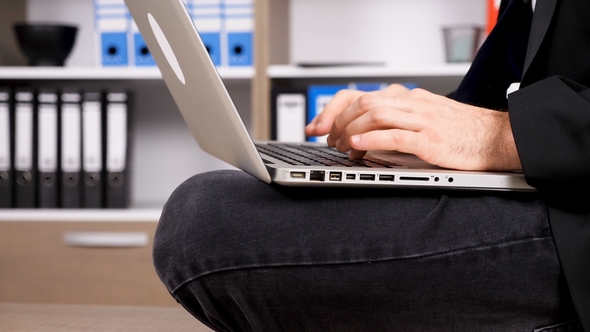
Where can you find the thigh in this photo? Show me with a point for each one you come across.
(226, 235)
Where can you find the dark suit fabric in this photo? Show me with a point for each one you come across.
(550, 119)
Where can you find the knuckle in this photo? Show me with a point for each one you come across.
(337, 123)
(366, 101)
(395, 138)
(378, 117)
(417, 93)
(342, 93)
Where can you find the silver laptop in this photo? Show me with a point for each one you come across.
(210, 114)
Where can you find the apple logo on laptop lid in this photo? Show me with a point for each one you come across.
(166, 48)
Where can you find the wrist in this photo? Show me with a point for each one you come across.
(506, 151)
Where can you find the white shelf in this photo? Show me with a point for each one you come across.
(289, 71)
(111, 73)
(81, 215)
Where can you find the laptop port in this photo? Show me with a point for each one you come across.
(335, 176)
(367, 177)
(298, 175)
(317, 176)
(384, 177)
(414, 178)
(350, 176)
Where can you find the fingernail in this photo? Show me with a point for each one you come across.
(355, 139)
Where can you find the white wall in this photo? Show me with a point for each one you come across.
(393, 31)
(77, 12)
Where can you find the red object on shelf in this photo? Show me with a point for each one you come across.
(493, 8)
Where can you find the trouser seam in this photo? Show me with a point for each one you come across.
(388, 259)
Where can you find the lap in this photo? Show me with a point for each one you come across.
(428, 249)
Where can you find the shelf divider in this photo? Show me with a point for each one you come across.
(100, 73)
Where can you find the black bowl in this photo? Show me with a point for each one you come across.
(45, 44)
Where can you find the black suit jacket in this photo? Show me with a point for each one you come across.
(550, 119)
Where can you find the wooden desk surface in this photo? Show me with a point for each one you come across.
(19, 317)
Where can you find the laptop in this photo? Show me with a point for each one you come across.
(214, 121)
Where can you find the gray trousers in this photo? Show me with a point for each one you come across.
(242, 255)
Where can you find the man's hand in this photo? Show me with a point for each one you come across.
(322, 124)
(437, 129)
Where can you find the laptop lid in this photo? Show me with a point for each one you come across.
(193, 81)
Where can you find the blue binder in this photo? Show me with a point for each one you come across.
(208, 19)
(239, 27)
(112, 25)
(143, 56)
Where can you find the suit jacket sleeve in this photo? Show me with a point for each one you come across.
(551, 125)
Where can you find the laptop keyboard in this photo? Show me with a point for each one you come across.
(307, 155)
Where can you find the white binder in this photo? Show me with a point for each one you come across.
(71, 149)
(291, 117)
(47, 148)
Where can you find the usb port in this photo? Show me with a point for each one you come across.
(335, 176)
(350, 176)
(367, 177)
(384, 177)
(317, 176)
(298, 175)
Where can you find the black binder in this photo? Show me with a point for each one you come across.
(92, 151)
(6, 148)
(25, 148)
(71, 148)
(116, 126)
(47, 147)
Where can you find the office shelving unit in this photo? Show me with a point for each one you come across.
(250, 88)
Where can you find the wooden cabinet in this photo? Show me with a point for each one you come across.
(79, 262)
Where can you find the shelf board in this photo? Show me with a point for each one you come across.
(290, 71)
(82, 215)
(111, 73)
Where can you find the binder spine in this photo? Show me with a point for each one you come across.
(239, 31)
(208, 19)
(92, 143)
(6, 150)
(47, 160)
(24, 153)
(289, 115)
(71, 150)
(112, 26)
(117, 151)
(142, 57)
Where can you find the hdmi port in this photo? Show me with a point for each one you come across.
(367, 177)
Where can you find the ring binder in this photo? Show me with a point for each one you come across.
(116, 128)
(6, 133)
(71, 149)
(47, 157)
(92, 142)
(24, 150)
